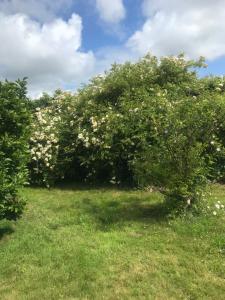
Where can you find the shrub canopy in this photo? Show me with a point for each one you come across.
(14, 134)
(154, 122)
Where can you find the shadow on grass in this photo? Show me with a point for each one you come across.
(71, 186)
(64, 187)
(107, 211)
(4, 231)
(124, 211)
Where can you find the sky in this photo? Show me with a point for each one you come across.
(63, 43)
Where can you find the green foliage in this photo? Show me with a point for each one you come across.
(177, 161)
(14, 121)
(153, 122)
(42, 102)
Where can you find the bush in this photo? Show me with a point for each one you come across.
(178, 161)
(150, 122)
(14, 121)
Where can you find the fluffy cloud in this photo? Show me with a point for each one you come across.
(47, 53)
(195, 27)
(42, 10)
(36, 43)
(111, 11)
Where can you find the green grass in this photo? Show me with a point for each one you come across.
(110, 244)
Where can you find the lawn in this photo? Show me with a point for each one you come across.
(77, 243)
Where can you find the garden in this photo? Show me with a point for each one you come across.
(115, 191)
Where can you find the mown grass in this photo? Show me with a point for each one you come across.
(76, 243)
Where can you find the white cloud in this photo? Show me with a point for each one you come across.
(42, 10)
(171, 27)
(47, 53)
(111, 11)
(36, 43)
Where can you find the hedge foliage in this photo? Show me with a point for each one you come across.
(14, 146)
(154, 122)
(150, 123)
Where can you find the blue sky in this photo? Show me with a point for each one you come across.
(98, 34)
(63, 43)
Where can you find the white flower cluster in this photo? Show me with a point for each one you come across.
(44, 139)
(179, 61)
(134, 110)
(217, 145)
(114, 180)
(87, 139)
(94, 123)
(217, 208)
(220, 86)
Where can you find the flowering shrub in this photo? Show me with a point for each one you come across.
(178, 160)
(14, 121)
(44, 145)
(216, 148)
(153, 122)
